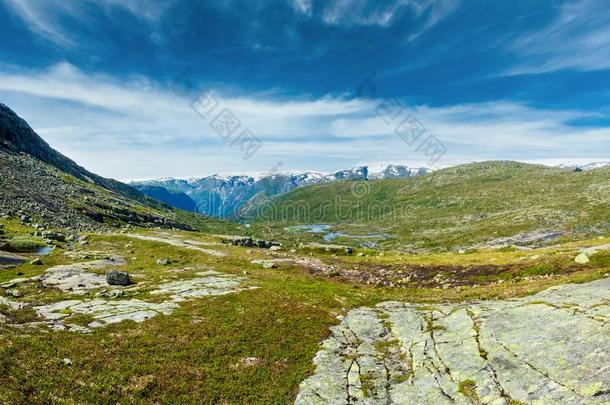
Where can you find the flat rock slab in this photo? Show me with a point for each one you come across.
(8, 259)
(186, 244)
(14, 305)
(105, 312)
(77, 277)
(209, 283)
(549, 348)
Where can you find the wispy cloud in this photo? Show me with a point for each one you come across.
(48, 18)
(383, 14)
(303, 6)
(579, 38)
(109, 124)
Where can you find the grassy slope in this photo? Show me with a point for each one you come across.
(465, 204)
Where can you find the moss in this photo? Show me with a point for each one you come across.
(468, 388)
(431, 326)
(367, 384)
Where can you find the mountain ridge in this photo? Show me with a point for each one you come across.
(223, 195)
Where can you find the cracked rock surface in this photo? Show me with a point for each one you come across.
(104, 312)
(549, 348)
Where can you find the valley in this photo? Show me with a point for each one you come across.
(484, 283)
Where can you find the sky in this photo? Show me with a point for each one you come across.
(138, 89)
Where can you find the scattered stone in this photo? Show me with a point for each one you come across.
(163, 262)
(116, 277)
(248, 362)
(67, 362)
(13, 293)
(249, 242)
(275, 248)
(36, 262)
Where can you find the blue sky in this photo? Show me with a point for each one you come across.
(110, 82)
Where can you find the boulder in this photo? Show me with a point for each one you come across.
(116, 277)
(268, 264)
(582, 258)
(163, 262)
(56, 236)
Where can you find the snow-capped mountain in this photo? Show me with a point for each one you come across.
(222, 195)
(583, 166)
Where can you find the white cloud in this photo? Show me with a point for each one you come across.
(579, 38)
(139, 129)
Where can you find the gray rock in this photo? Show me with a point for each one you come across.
(116, 277)
(268, 264)
(163, 262)
(12, 293)
(582, 258)
(56, 236)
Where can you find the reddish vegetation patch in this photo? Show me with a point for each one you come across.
(429, 276)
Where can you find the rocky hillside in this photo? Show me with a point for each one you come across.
(225, 195)
(40, 185)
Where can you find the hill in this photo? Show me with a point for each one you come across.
(478, 202)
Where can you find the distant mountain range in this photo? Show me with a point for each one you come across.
(224, 195)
